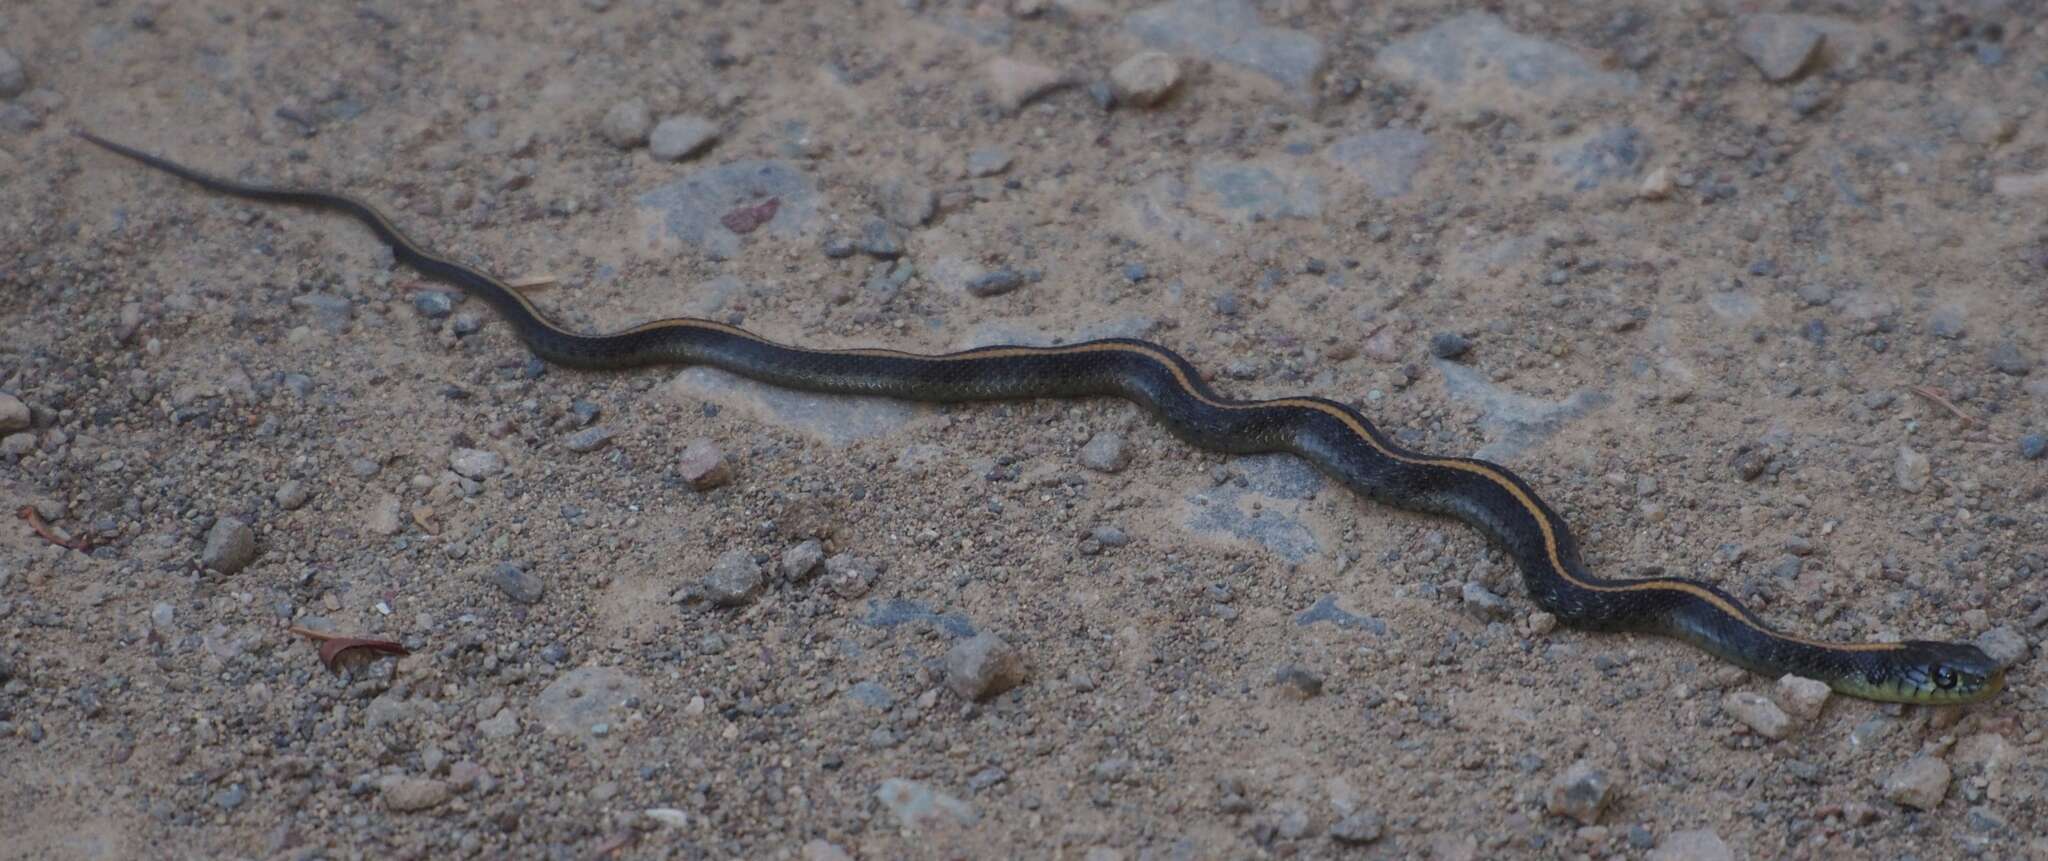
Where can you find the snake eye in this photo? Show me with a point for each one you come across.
(1944, 678)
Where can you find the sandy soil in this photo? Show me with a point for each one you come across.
(1719, 320)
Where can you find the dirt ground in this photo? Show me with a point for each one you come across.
(1749, 297)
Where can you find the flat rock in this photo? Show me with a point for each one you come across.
(517, 583)
(1514, 422)
(1920, 783)
(1609, 155)
(476, 464)
(1229, 31)
(1330, 610)
(836, 420)
(1700, 845)
(678, 138)
(1248, 192)
(917, 806)
(1263, 505)
(1474, 61)
(586, 697)
(697, 210)
(1758, 713)
(406, 794)
(902, 611)
(1386, 160)
(1145, 79)
(1781, 46)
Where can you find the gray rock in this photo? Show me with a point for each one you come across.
(1481, 604)
(2033, 446)
(2008, 358)
(475, 463)
(1610, 155)
(849, 576)
(880, 239)
(678, 138)
(987, 161)
(1758, 713)
(291, 495)
(995, 283)
(836, 420)
(1106, 452)
(1229, 31)
(1700, 845)
(14, 415)
(433, 304)
(1911, 470)
(1328, 609)
(13, 79)
(801, 562)
(502, 725)
(872, 695)
(2003, 645)
(1015, 83)
(734, 579)
(407, 794)
(1448, 345)
(1947, 322)
(1298, 682)
(694, 210)
(1581, 793)
(584, 698)
(903, 611)
(1386, 160)
(626, 124)
(1248, 192)
(917, 806)
(1474, 61)
(983, 666)
(517, 583)
(1359, 828)
(230, 546)
(1145, 79)
(1920, 783)
(588, 439)
(1512, 421)
(1781, 46)
(231, 797)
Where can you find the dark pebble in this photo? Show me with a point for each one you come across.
(2033, 446)
(433, 304)
(995, 283)
(1448, 345)
(517, 583)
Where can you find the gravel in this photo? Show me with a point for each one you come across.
(517, 583)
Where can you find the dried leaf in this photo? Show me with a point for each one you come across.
(333, 647)
(35, 522)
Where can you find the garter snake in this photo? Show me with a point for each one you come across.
(1331, 435)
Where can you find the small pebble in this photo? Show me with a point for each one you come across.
(1912, 470)
(404, 794)
(995, 283)
(1448, 345)
(1802, 698)
(626, 124)
(1359, 828)
(1759, 713)
(880, 239)
(291, 495)
(983, 666)
(2008, 358)
(517, 583)
(987, 161)
(433, 304)
(475, 464)
(14, 415)
(801, 562)
(588, 439)
(1699, 845)
(1106, 452)
(230, 546)
(1781, 46)
(734, 579)
(1145, 79)
(2033, 446)
(703, 466)
(1921, 783)
(1483, 605)
(2003, 645)
(1298, 682)
(849, 576)
(1581, 792)
(1015, 83)
(467, 323)
(1656, 186)
(678, 138)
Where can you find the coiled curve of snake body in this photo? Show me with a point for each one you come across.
(1331, 435)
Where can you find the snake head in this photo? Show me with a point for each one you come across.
(1928, 673)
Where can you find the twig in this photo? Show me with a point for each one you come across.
(1933, 394)
(35, 522)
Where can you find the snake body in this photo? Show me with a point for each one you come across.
(1331, 435)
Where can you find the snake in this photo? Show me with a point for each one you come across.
(1336, 438)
